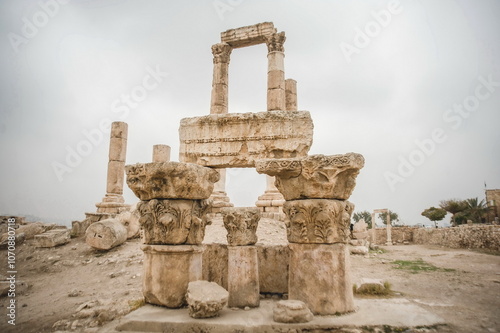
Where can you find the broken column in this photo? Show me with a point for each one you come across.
(276, 72)
(219, 196)
(113, 202)
(316, 189)
(172, 213)
(161, 153)
(271, 202)
(243, 267)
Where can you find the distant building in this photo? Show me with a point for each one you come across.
(493, 201)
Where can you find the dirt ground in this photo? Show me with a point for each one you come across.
(75, 288)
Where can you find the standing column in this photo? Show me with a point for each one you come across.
(271, 202)
(276, 72)
(389, 231)
(113, 202)
(291, 94)
(161, 153)
(221, 53)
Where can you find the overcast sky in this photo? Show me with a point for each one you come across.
(414, 86)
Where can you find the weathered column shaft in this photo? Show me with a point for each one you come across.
(291, 95)
(161, 153)
(276, 72)
(319, 275)
(219, 100)
(243, 277)
(117, 155)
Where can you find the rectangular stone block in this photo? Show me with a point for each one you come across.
(248, 35)
(52, 238)
(243, 277)
(239, 139)
(319, 276)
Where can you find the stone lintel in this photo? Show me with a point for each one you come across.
(248, 35)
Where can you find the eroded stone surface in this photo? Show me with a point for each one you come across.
(241, 225)
(171, 180)
(243, 276)
(52, 238)
(173, 221)
(292, 311)
(315, 176)
(318, 220)
(205, 299)
(239, 139)
(319, 276)
(168, 269)
(106, 234)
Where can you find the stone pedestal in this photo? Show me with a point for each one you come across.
(319, 276)
(243, 277)
(113, 202)
(271, 202)
(168, 269)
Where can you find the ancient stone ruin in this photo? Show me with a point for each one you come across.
(312, 191)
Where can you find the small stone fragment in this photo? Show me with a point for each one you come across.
(52, 238)
(292, 311)
(205, 299)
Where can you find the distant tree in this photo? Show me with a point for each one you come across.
(476, 209)
(363, 215)
(392, 215)
(434, 214)
(456, 208)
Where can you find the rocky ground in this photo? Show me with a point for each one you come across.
(75, 288)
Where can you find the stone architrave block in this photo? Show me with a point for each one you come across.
(320, 221)
(315, 176)
(205, 299)
(52, 238)
(292, 311)
(239, 139)
(171, 180)
(172, 222)
(241, 225)
(248, 35)
(168, 269)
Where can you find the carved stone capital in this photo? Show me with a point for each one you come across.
(315, 176)
(171, 180)
(241, 225)
(275, 42)
(221, 52)
(318, 221)
(172, 222)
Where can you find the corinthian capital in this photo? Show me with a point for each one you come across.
(275, 42)
(221, 52)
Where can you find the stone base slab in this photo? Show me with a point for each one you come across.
(168, 269)
(370, 314)
(319, 276)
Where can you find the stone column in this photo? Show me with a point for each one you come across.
(271, 202)
(172, 214)
(161, 153)
(316, 189)
(243, 265)
(389, 230)
(219, 196)
(291, 94)
(276, 72)
(113, 202)
(221, 52)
